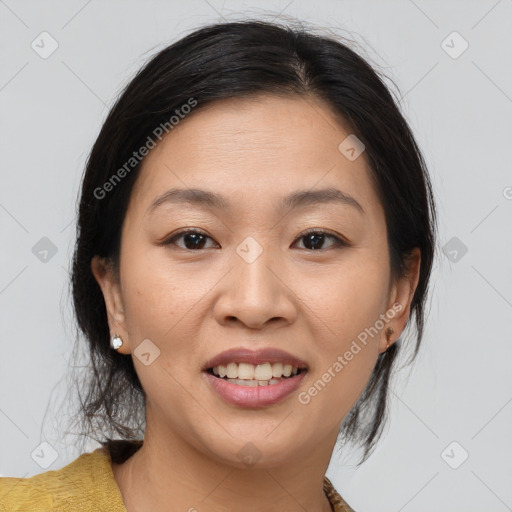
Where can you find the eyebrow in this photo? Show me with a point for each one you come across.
(297, 199)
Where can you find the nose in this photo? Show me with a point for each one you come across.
(256, 294)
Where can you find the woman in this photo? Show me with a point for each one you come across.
(256, 228)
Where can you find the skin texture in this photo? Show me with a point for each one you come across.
(195, 303)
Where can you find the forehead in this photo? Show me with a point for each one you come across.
(257, 148)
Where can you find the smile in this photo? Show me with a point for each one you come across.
(254, 392)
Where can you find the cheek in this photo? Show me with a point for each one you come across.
(157, 296)
(347, 307)
(348, 299)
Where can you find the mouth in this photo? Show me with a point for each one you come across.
(248, 378)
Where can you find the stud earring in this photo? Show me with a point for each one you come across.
(116, 342)
(389, 332)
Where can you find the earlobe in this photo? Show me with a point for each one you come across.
(400, 300)
(104, 274)
(389, 332)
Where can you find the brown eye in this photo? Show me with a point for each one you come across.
(314, 240)
(192, 239)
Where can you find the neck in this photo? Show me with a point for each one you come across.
(167, 473)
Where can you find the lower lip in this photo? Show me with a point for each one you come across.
(257, 396)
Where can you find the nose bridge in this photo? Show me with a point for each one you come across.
(255, 293)
(252, 262)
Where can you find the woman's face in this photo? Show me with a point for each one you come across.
(253, 279)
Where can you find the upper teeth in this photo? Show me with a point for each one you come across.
(263, 371)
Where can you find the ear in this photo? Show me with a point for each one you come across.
(400, 298)
(111, 287)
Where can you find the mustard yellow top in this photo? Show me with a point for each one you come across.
(86, 484)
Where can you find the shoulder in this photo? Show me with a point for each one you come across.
(86, 485)
(338, 504)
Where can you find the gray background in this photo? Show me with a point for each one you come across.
(460, 389)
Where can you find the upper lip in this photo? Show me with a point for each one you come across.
(246, 355)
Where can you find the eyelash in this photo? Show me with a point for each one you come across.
(338, 242)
